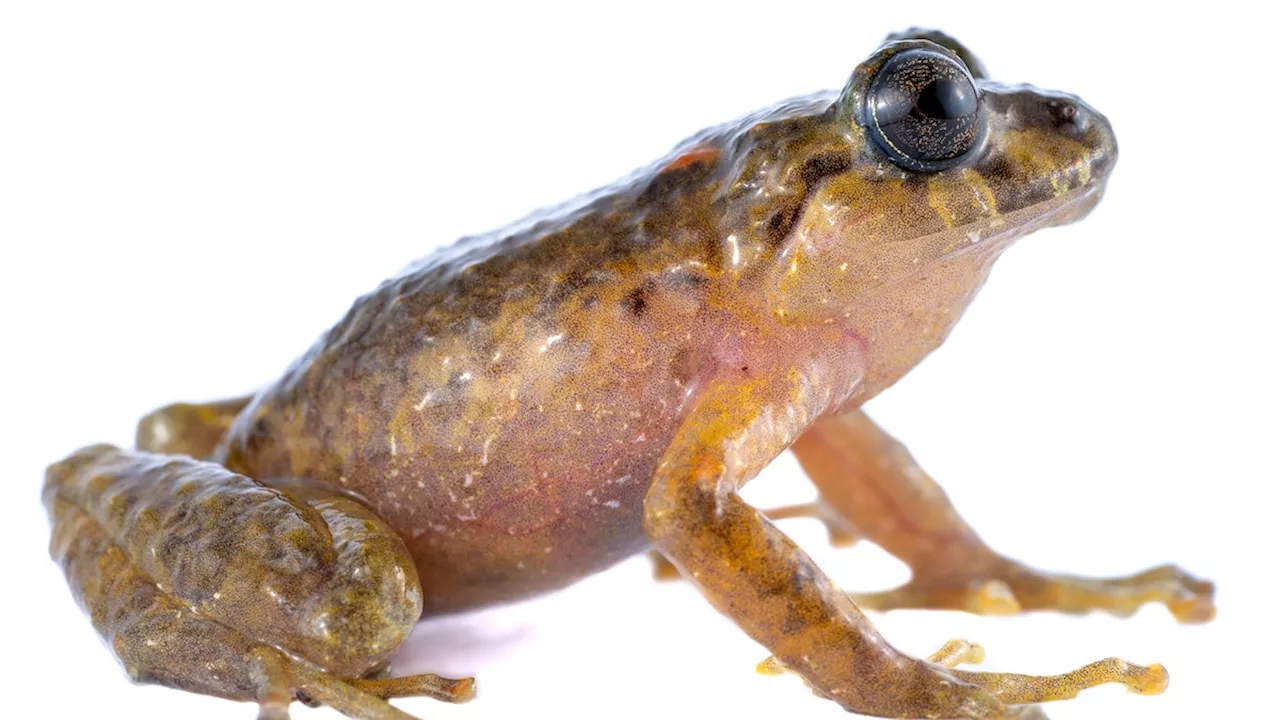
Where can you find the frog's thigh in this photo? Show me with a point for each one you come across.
(875, 484)
(188, 428)
(759, 578)
(144, 542)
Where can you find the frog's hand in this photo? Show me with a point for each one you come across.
(759, 578)
(188, 428)
(872, 480)
(201, 579)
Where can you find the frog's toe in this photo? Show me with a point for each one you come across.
(281, 679)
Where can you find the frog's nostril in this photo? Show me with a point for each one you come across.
(1062, 111)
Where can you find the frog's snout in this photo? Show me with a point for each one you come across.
(1047, 149)
(1068, 133)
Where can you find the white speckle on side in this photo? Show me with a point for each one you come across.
(466, 481)
(393, 445)
(423, 402)
(974, 236)
(161, 433)
(551, 341)
(736, 255)
(613, 504)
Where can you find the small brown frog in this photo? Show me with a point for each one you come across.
(533, 405)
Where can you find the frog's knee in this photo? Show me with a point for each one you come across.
(193, 429)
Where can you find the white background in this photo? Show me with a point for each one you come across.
(189, 196)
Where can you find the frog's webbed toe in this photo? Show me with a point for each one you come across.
(1002, 587)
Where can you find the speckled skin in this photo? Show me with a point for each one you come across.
(504, 403)
(530, 406)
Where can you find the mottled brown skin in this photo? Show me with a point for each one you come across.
(531, 406)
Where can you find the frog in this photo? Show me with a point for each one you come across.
(533, 405)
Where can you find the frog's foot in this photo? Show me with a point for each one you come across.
(840, 533)
(282, 679)
(1021, 693)
(1011, 588)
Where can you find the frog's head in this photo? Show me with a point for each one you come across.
(921, 165)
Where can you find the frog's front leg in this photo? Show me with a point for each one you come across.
(758, 577)
(873, 481)
(204, 580)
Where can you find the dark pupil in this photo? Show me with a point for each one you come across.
(946, 100)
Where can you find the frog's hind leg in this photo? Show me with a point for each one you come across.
(203, 580)
(873, 482)
(188, 428)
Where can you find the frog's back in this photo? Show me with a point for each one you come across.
(502, 402)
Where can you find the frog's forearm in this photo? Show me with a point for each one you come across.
(870, 478)
(204, 580)
(753, 573)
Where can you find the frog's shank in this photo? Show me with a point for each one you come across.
(175, 560)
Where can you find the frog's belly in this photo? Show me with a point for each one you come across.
(497, 506)
(519, 537)
(512, 456)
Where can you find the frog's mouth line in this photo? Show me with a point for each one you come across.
(1074, 206)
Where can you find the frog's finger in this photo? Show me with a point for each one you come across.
(1016, 689)
(958, 652)
(1009, 588)
(1187, 597)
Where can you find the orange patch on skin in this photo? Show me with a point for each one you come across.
(693, 156)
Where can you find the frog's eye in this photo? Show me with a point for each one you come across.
(924, 110)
